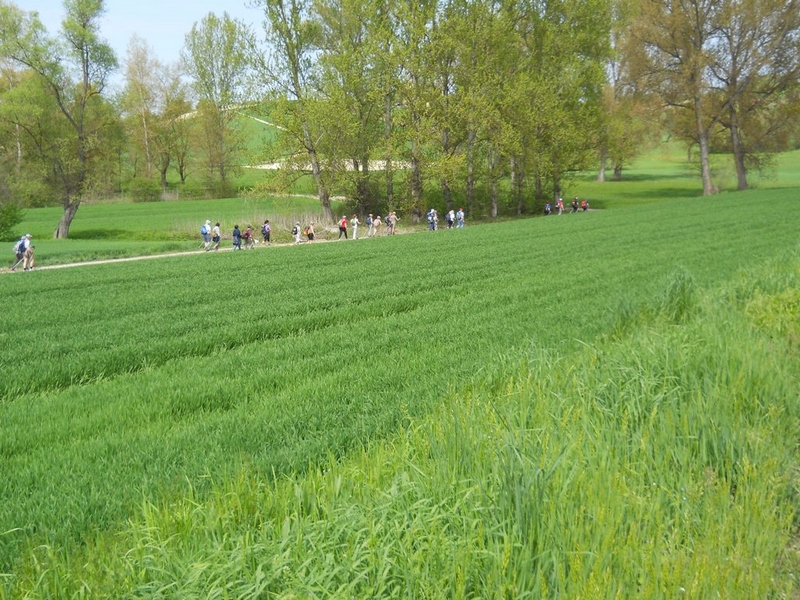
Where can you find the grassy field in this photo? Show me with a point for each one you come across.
(596, 405)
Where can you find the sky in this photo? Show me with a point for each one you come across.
(162, 24)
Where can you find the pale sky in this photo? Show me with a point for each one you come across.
(162, 24)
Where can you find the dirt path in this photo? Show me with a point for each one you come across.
(107, 261)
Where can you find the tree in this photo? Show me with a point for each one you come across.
(216, 55)
(73, 72)
(674, 38)
(290, 73)
(752, 64)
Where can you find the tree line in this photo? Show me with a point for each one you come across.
(487, 104)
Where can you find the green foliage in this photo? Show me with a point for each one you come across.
(145, 190)
(10, 216)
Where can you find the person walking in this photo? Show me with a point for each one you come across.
(205, 231)
(28, 259)
(266, 230)
(354, 224)
(296, 233)
(575, 204)
(215, 237)
(451, 218)
(343, 227)
(393, 222)
(19, 252)
(376, 225)
(370, 226)
(560, 206)
(460, 218)
(249, 242)
(237, 238)
(310, 233)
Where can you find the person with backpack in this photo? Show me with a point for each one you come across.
(354, 224)
(19, 251)
(310, 231)
(376, 225)
(585, 205)
(205, 231)
(237, 238)
(343, 227)
(266, 230)
(460, 218)
(575, 204)
(248, 238)
(296, 233)
(370, 226)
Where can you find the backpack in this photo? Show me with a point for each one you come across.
(19, 247)
(204, 230)
(294, 230)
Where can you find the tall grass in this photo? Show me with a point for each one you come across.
(655, 464)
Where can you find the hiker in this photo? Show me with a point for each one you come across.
(30, 259)
(310, 233)
(343, 227)
(460, 218)
(575, 204)
(354, 225)
(560, 205)
(237, 238)
(432, 219)
(370, 226)
(296, 233)
(585, 205)
(249, 241)
(215, 237)
(205, 231)
(393, 222)
(450, 217)
(376, 224)
(20, 250)
(266, 230)
(547, 209)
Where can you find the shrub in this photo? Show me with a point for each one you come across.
(10, 216)
(145, 190)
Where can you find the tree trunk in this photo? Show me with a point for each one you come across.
(493, 192)
(702, 138)
(448, 197)
(70, 208)
(512, 165)
(738, 150)
(471, 172)
(601, 174)
(617, 173)
(416, 185)
(387, 125)
(556, 186)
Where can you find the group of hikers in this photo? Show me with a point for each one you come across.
(452, 218)
(24, 254)
(376, 225)
(584, 206)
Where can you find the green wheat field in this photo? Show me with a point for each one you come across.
(600, 405)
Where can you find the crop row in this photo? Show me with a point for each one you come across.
(124, 381)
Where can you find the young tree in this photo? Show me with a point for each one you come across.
(73, 72)
(290, 72)
(216, 55)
